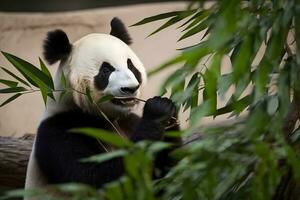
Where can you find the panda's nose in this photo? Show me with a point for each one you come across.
(129, 90)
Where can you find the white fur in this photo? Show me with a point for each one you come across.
(80, 68)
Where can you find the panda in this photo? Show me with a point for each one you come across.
(106, 65)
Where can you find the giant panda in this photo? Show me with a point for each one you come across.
(106, 65)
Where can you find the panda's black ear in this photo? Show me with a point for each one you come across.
(56, 46)
(119, 30)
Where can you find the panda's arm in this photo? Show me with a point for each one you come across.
(58, 153)
(152, 126)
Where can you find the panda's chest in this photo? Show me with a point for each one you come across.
(125, 127)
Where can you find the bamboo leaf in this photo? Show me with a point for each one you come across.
(49, 93)
(174, 79)
(159, 17)
(192, 100)
(182, 96)
(173, 20)
(273, 105)
(241, 58)
(45, 70)
(157, 147)
(211, 81)
(12, 90)
(105, 136)
(15, 76)
(237, 106)
(9, 83)
(10, 99)
(200, 111)
(29, 71)
(200, 27)
(88, 94)
(105, 98)
(63, 79)
(195, 19)
(224, 83)
(44, 92)
(105, 156)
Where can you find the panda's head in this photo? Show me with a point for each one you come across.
(103, 63)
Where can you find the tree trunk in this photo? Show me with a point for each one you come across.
(14, 155)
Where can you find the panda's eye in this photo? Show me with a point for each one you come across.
(102, 78)
(106, 68)
(134, 70)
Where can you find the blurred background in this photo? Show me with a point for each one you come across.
(24, 25)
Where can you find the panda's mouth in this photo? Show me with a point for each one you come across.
(124, 101)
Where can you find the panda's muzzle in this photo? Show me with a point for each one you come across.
(129, 90)
(124, 101)
(127, 96)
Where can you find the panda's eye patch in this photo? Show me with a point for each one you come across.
(134, 70)
(101, 80)
(106, 68)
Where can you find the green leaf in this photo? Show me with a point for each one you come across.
(197, 29)
(12, 90)
(16, 77)
(88, 94)
(49, 93)
(75, 188)
(105, 156)
(157, 147)
(45, 70)
(158, 17)
(22, 193)
(193, 92)
(199, 16)
(128, 188)
(63, 79)
(174, 79)
(9, 83)
(29, 71)
(62, 94)
(273, 105)
(173, 20)
(237, 106)
(242, 58)
(174, 134)
(182, 96)
(211, 81)
(44, 92)
(200, 111)
(113, 191)
(105, 98)
(11, 99)
(224, 83)
(105, 136)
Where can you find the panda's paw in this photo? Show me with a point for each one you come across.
(159, 109)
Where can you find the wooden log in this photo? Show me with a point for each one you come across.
(14, 156)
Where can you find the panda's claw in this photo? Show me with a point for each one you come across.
(159, 109)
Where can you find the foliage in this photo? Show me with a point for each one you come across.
(244, 160)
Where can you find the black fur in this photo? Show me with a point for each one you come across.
(134, 70)
(101, 80)
(58, 151)
(56, 46)
(119, 30)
